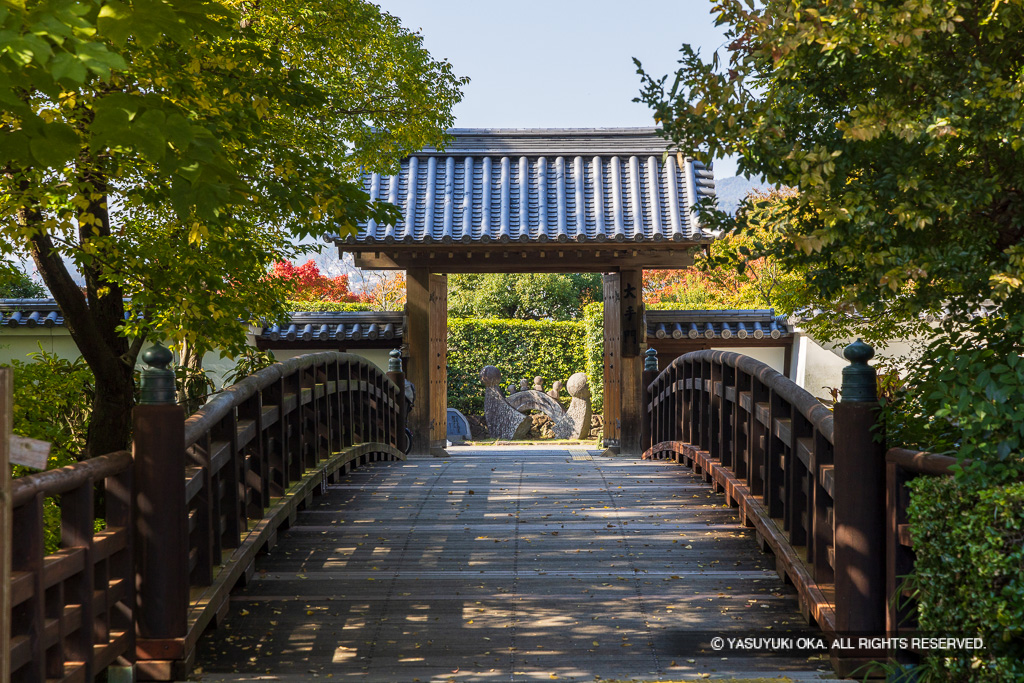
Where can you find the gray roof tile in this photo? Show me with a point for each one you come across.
(343, 326)
(543, 185)
(721, 324)
(30, 313)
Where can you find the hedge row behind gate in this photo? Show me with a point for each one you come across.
(520, 349)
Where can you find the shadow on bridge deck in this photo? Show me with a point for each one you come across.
(503, 564)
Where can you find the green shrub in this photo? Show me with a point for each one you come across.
(519, 348)
(969, 574)
(593, 321)
(52, 403)
(326, 307)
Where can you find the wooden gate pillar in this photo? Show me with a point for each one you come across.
(633, 331)
(438, 365)
(426, 332)
(611, 361)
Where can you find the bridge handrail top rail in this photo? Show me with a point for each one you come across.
(810, 407)
(67, 478)
(201, 421)
(921, 462)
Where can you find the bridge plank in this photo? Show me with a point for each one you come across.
(508, 564)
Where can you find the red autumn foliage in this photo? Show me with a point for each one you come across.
(309, 284)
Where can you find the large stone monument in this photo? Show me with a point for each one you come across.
(506, 418)
(532, 399)
(503, 421)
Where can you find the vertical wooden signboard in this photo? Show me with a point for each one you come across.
(612, 335)
(6, 531)
(633, 330)
(438, 359)
(631, 313)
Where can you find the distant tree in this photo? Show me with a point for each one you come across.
(16, 284)
(532, 296)
(730, 272)
(307, 283)
(386, 291)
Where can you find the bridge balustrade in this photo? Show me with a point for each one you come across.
(184, 516)
(817, 486)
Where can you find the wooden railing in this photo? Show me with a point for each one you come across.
(811, 482)
(767, 444)
(901, 467)
(184, 516)
(71, 613)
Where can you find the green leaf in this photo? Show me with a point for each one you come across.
(67, 67)
(58, 146)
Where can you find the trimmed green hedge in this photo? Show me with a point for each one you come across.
(326, 306)
(593, 322)
(969, 574)
(519, 348)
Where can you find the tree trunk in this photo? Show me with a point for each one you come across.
(193, 389)
(111, 421)
(92, 318)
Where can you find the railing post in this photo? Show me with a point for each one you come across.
(396, 375)
(859, 505)
(650, 374)
(161, 541)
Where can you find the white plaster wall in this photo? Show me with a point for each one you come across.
(818, 365)
(17, 343)
(772, 356)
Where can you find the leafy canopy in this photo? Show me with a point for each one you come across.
(899, 125)
(173, 150)
(531, 296)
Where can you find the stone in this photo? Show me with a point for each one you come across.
(524, 401)
(503, 421)
(541, 428)
(458, 426)
(556, 389)
(478, 426)
(524, 385)
(538, 384)
(579, 409)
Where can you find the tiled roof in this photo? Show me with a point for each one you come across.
(727, 324)
(558, 185)
(30, 313)
(349, 326)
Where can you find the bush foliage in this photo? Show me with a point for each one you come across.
(522, 296)
(317, 306)
(519, 348)
(593, 323)
(970, 575)
(52, 403)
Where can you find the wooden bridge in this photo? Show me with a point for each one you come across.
(281, 530)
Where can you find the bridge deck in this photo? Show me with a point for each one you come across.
(504, 565)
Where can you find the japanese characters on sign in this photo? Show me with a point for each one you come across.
(632, 313)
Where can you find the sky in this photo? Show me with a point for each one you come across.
(558, 63)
